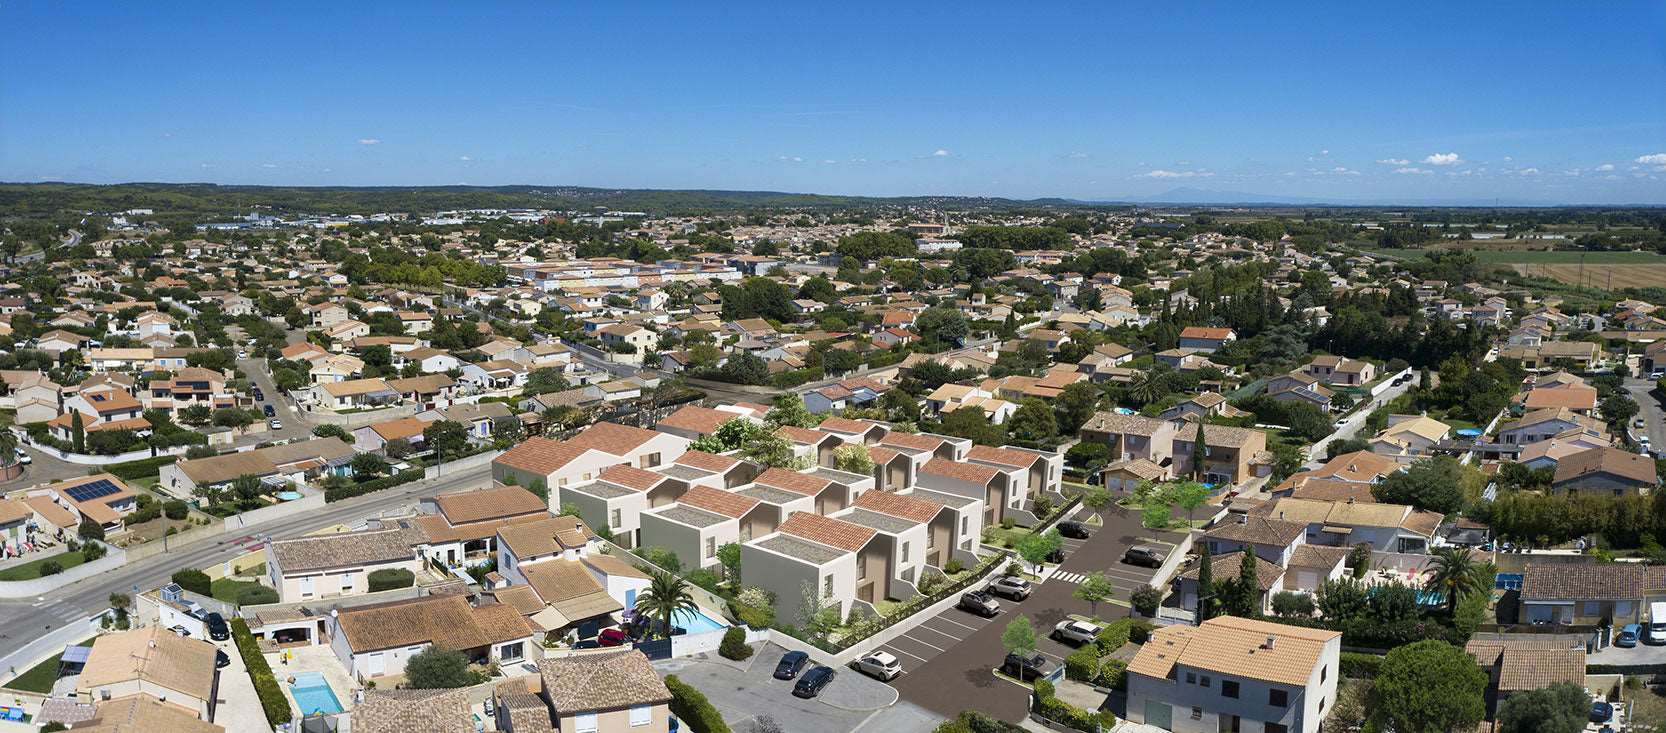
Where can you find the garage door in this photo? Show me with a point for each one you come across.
(1159, 714)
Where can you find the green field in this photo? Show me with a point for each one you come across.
(31, 570)
(1498, 257)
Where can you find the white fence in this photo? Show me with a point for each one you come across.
(461, 464)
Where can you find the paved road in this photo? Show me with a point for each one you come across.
(20, 620)
(1648, 408)
(1347, 428)
(956, 674)
(294, 424)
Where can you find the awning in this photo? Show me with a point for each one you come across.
(1337, 530)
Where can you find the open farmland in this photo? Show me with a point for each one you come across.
(1568, 257)
(1605, 276)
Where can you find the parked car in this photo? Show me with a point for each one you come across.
(1601, 712)
(181, 630)
(1078, 632)
(1143, 555)
(1639, 423)
(1627, 638)
(274, 424)
(217, 628)
(979, 603)
(221, 661)
(790, 665)
(25, 458)
(812, 682)
(880, 665)
(613, 637)
(587, 644)
(1026, 669)
(1074, 530)
(269, 410)
(1011, 587)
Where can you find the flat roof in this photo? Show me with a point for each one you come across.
(802, 549)
(881, 522)
(841, 477)
(770, 494)
(690, 516)
(686, 473)
(602, 490)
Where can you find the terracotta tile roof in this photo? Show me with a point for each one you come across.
(545, 536)
(1258, 530)
(793, 481)
(911, 440)
(602, 680)
(704, 420)
(1573, 398)
(804, 436)
(54, 513)
(1632, 467)
(1235, 646)
(1529, 664)
(141, 713)
(1204, 332)
(720, 502)
(405, 427)
(1119, 424)
(540, 455)
(347, 549)
(1002, 456)
(1317, 556)
(521, 597)
(1359, 466)
(1228, 566)
(445, 621)
(497, 502)
(828, 531)
(847, 425)
(153, 655)
(632, 477)
(413, 711)
(612, 438)
(1583, 581)
(708, 461)
(897, 505)
(968, 472)
(881, 455)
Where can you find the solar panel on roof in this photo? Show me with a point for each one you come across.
(92, 490)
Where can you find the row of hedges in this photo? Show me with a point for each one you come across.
(137, 469)
(374, 485)
(1359, 665)
(390, 579)
(1049, 706)
(692, 708)
(972, 721)
(272, 701)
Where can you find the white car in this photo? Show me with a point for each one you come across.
(1080, 632)
(25, 458)
(880, 665)
(274, 424)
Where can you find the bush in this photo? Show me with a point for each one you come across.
(954, 565)
(1113, 674)
(734, 644)
(1083, 664)
(1140, 631)
(138, 469)
(1291, 604)
(338, 493)
(435, 668)
(176, 509)
(390, 578)
(693, 709)
(89, 529)
(1113, 636)
(194, 580)
(272, 701)
(92, 551)
(256, 595)
(972, 721)
(144, 513)
(1359, 666)
(1146, 600)
(51, 567)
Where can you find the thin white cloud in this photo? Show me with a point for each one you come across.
(1528, 172)
(1412, 171)
(1442, 159)
(1343, 171)
(268, 165)
(1393, 161)
(1652, 159)
(370, 141)
(941, 153)
(790, 158)
(1605, 167)
(465, 158)
(1077, 155)
(1160, 173)
(830, 161)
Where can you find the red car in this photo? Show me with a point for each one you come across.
(613, 637)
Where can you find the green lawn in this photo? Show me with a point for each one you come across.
(998, 537)
(31, 570)
(40, 677)
(230, 589)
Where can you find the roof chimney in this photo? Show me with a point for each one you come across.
(1243, 519)
(1270, 640)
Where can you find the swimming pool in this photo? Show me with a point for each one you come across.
(697, 622)
(313, 695)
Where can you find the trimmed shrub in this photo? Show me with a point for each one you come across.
(1113, 673)
(51, 567)
(272, 701)
(194, 580)
(1139, 631)
(1083, 664)
(1113, 636)
(176, 509)
(1359, 665)
(390, 578)
(92, 551)
(338, 493)
(138, 469)
(690, 706)
(734, 644)
(144, 513)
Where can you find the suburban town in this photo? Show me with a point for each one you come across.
(746, 368)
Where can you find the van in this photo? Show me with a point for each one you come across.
(1656, 635)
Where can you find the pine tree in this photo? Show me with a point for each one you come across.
(1249, 587)
(1199, 452)
(78, 432)
(1205, 586)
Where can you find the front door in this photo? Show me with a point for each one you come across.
(374, 664)
(1159, 714)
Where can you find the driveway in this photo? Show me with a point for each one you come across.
(238, 707)
(1648, 408)
(1347, 428)
(957, 674)
(294, 425)
(745, 691)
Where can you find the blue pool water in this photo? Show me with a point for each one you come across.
(313, 695)
(696, 622)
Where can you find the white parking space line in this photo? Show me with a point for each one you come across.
(1120, 574)
(896, 650)
(935, 631)
(1051, 656)
(952, 621)
(921, 643)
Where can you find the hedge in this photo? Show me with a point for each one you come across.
(1359, 665)
(1052, 708)
(1083, 664)
(1113, 636)
(690, 706)
(359, 489)
(272, 701)
(390, 578)
(972, 721)
(734, 644)
(138, 469)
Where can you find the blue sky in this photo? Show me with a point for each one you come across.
(1392, 102)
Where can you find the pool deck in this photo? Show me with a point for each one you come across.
(313, 659)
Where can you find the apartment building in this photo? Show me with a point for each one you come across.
(1235, 674)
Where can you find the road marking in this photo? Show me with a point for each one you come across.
(957, 623)
(945, 633)
(1072, 578)
(921, 643)
(899, 650)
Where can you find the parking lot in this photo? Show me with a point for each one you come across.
(745, 691)
(948, 660)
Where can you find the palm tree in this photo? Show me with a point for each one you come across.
(1146, 387)
(666, 595)
(1455, 573)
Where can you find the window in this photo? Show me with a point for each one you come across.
(1229, 688)
(1197, 713)
(861, 569)
(711, 545)
(586, 476)
(1191, 678)
(1204, 681)
(510, 652)
(905, 552)
(584, 723)
(965, 525)
(1278, 698)
(1323, 673)
(346, 582)
(1622, 608)
(827, 586)
(650, 460)
(616, 520)
(1593, 608)
(641, 715)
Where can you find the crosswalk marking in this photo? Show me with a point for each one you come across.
(1070, 577)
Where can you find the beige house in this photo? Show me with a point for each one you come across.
(1233, 673)
(152, 661)
(334, 565)
(604, 691)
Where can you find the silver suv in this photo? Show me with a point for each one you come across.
(1011, 587)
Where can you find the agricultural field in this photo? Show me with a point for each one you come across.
(1605, 276)
(1568, 257)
